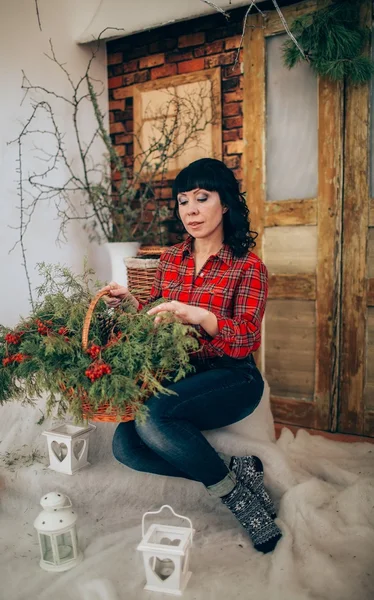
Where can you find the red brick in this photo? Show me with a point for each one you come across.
(177, 56)
(111, 118)
(235, 147)
(120, 93)
(232, 42)
(116, 175)
(232, 110)
(232, 122)
(115, 70)
(214, 48)
(129, 79)
(130, 66)
(191, 39)
(162, 45)
(142, 76)
(151, 61)
(166, 193)
(191, 65)
(129, 126)
(123, 139)
(121, 150)
(117, 105)
(233, 96)
(231, 135)
(115, 59)
(115, 82)
(232, 70)
(227, 58)
(116, 128)
(230, 84)
(164, 71)
(232, 162)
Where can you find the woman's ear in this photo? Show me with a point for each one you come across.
(225, 209)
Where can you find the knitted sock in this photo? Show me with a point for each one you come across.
(260, 527)
(250, 471)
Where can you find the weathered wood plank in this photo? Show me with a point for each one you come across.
(292, 410)
(290, 347)
(369, 423)
(355, 225)
(291, 212)
(274, 25)
(371, 212)
(370, 292)
(254, 125)
(330, 150)
(291, 249)
(298, 287)
(254, 132)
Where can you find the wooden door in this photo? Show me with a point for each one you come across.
(356, 411)
(295, 205)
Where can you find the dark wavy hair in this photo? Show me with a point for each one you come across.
(212, 175)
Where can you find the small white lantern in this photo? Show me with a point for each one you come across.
(68, 447)
(56, 527)
(166, 551)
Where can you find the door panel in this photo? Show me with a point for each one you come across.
(292, 175)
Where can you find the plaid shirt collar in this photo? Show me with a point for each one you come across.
(225, 254)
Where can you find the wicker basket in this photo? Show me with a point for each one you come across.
(141, 271)
(105, 412)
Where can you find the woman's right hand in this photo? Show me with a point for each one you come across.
(117, 293)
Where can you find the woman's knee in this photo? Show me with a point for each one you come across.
(122, 445)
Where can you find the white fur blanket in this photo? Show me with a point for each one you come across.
(324, 491)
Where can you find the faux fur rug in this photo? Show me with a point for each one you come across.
(324, 491)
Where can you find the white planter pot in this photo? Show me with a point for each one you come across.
(117, 252)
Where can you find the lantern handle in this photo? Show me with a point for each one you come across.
(156, 512)
(67, 505)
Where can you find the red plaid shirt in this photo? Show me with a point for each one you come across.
(234, 289)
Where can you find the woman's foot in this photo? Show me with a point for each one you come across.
(249, 471)
(260, 527)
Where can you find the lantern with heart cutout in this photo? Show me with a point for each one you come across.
(166, 550)
(68, 447)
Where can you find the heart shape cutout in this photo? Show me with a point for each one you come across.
(162, 567)
(169, 542)
(78, 448)
(59, 450)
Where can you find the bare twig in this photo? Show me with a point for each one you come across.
(37, 14)
(285, 25)
(218, 8)
(253, 4)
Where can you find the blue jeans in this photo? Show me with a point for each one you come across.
(170, 442)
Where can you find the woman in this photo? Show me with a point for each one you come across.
(214, 282)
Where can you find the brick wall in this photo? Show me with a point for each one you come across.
(184, 47)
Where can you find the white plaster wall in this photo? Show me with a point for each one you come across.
(22, 45)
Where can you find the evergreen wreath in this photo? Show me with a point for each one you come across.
(333, 41)
(127, 359)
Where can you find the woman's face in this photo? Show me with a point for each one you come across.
(201, 212)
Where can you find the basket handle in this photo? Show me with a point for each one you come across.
(88, 317)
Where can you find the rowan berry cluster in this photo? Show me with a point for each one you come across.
(19, 357)
(14, 338)
(97, 370)
(94, 351)
(43, 328)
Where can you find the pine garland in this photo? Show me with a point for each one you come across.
(333, 42)
(126, 360)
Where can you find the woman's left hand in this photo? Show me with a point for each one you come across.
(186, 313)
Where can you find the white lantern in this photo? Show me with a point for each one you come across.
(166, 551)
(68, 447)
(56, 527)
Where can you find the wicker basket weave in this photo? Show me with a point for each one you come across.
(105, 412)
(140, 276)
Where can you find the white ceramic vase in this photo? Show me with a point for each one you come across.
(117, 252)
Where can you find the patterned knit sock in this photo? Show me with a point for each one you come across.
(250, 471)
(260, 527)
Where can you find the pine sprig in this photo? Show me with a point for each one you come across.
(333, 42)
(125, 362)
